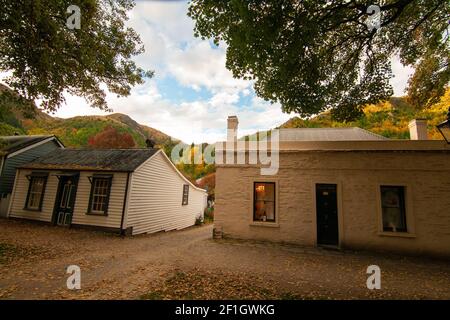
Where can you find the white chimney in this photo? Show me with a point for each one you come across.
(232, 127)
(418, 129)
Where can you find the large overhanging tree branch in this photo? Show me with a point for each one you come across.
(313, 56)
(47, 59)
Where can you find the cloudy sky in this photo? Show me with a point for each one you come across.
(192, 92)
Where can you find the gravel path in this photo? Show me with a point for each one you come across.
(189, 264)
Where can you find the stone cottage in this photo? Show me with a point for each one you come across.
(339, 187)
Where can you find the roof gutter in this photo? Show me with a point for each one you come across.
(33, 145)
(66, 168)
(125, 198)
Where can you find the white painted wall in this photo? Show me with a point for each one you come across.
(19, 197)
(155, 198)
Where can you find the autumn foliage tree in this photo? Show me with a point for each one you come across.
(193, 163)
(111, 138)
(208, 183)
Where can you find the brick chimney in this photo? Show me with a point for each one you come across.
(232, 126)
(418, 129)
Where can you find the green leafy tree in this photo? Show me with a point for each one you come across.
(9, 101)
(429, 81)
(313, 56)
(46, 58)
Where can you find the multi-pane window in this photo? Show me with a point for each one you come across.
(36, 192)
(393, 208)
(185, 195)
(99, 198)
(264, 201)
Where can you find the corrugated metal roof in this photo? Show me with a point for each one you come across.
(10, 144)
(328, 134)
(92, 159)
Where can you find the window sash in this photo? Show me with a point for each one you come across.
(264, 204)
(36, 191)
(393, 208)
(99, 197)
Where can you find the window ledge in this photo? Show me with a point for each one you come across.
(96, 214)
(265, 224)
(397, 234)
(33, 210)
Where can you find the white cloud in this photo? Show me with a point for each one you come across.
(224, 98)
(200, 65)
(172, 50)
(162, 26)
(401, 76)
(197, 121)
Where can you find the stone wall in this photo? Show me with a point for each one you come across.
(358, 175)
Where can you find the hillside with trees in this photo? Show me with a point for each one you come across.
(389, 118)
(18, 116)
(76, 131)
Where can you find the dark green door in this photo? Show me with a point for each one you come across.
(65, 200)
(327, 214)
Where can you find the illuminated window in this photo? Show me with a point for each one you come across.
(264, 201)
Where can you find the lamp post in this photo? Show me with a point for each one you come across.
(444, 127)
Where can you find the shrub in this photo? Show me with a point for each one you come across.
(209, 215)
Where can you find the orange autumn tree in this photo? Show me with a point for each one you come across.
(111, 138)
(208, 183)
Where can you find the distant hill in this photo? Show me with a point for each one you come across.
(74, 132)
(389, 118)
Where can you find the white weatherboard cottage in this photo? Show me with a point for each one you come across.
(129, 191)
(18, 150)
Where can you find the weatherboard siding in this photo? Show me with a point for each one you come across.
(19, 197)
(115, 207)
(80, 216)
(11, 164)
(155, 202)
